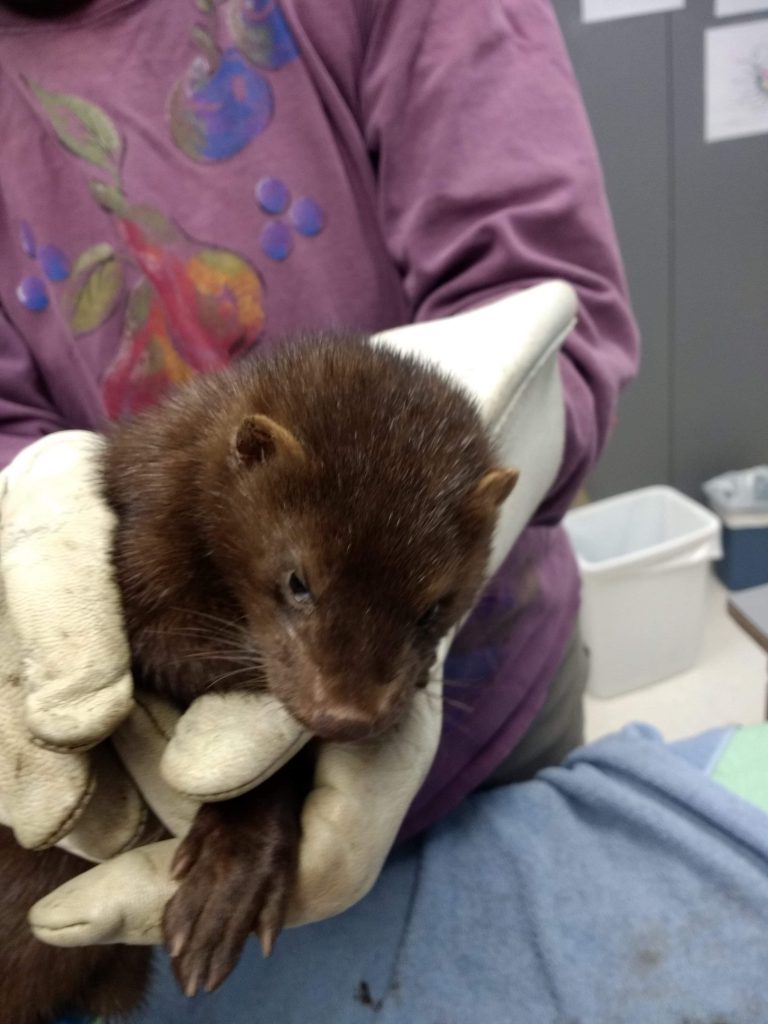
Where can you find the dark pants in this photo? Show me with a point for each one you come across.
(558, 728)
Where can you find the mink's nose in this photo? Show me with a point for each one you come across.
(337, 709)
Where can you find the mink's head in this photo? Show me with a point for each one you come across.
(346, 498)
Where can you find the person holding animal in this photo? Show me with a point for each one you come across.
(185, 185)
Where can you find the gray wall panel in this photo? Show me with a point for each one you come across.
(692, 220)
(720, 273)
(621, 67)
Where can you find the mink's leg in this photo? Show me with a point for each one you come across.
(237, 867)
(39, 982)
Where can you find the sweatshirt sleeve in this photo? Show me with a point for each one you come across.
(488, 182)
(26, 410)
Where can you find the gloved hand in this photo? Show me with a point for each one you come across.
(64, 662)
(65, 682)
(224, 744)
(361, 794)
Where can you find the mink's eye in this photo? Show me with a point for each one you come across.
(435, 616)
(430, 616)
(297, 586)
(297, 591)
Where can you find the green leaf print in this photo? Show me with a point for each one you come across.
(207, 44)
(222, 259)
(109, 197)
(96, 254)
(157, 226)
(139, 305)
(95, 293)
(85, 129)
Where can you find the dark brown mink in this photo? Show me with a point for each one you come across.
(309, 524)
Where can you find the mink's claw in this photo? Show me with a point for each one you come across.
(267, 935)
(238, 876)
(272, 917)
(176, 944)
(191, 986)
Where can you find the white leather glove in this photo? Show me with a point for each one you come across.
(64, 679)
(506, 355)
(65, 682)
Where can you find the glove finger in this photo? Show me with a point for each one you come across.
(121, 900)
(45, 799)
(141, 742)
(115, 814)
(338, 859)
(83, 802)
(362, 792)
(55, 546)
(42, 793)
(227, 743)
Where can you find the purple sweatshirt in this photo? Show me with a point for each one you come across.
(185, 180)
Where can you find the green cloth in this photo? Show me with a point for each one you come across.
(743, 764)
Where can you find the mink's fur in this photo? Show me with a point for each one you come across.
(309, 524)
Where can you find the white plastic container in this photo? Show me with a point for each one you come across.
(644, 558)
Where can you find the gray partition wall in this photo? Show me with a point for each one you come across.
(692, 220)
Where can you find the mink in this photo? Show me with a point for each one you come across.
(308, 524)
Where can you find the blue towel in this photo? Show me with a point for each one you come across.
(625, 887)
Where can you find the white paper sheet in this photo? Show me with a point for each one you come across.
(727, 8)
(609, 10)
(736, 80)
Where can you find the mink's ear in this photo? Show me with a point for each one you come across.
(494, 488)
(259, 439)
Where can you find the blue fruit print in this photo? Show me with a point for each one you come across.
(220, 106)
(307, 217)
(272, 195)
(54, 263)
(32, 294)
(27, 239)
(262, 33)
(277, 240)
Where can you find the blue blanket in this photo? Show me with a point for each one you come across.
(626, 887)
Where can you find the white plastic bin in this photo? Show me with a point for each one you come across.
(644, 558)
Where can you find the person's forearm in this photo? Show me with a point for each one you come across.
(479, 199)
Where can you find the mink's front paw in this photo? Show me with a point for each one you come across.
(237, 868)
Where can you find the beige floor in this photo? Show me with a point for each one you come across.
(726, 686)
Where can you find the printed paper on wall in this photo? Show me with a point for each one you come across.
(727, 8)
(736, 80)
(610, 10)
